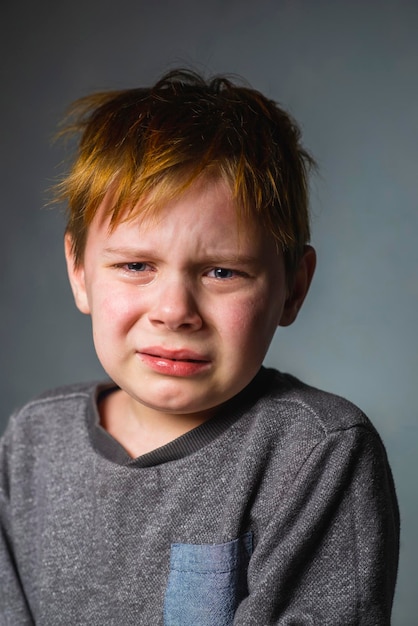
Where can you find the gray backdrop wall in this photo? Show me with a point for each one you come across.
(348, 71)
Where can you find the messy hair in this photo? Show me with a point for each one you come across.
(146, 146)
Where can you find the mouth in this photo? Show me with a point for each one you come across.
(181, 363)
(174, 355)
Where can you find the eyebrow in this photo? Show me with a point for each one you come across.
(219, 257)
(122, 250)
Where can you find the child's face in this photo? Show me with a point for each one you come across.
(183, 307)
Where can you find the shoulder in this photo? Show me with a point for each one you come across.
(292, 401)
(291, 422)
(55, 410)
(50, 400)
(314, 441)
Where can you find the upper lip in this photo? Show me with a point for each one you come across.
(175, 355)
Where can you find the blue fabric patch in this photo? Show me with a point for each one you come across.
(206, 582)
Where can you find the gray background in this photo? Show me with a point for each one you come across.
(348, 71)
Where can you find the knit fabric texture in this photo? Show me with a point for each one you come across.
(279, 510)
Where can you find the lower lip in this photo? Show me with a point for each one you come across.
(174, 368)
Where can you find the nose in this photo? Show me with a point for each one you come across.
(175, 306)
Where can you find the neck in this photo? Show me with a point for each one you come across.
(141, 429)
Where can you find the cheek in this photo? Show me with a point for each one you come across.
(113, 309)
(250, 321)
(112, 318)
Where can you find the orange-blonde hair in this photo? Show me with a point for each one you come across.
(146, 146)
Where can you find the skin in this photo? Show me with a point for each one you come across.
(183, 310)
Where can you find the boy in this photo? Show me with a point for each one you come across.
(196, 487)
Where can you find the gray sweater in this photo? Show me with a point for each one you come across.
(280, 510)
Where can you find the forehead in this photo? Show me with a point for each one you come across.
(205, 211)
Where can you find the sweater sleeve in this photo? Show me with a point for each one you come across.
(330, 550)
(13, 604)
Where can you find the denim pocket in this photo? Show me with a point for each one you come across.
(206, 582)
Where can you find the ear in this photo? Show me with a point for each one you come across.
(77, 277)
(299, 287)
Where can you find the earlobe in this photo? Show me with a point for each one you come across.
(300, 287)
(76, 277)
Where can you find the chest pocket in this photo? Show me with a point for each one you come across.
(206, 582)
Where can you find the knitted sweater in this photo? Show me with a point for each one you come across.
(279, 510)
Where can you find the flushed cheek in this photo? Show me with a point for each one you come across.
(257, 310)
(249, 324)
(115, 310)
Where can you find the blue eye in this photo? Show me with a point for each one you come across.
(222, 272)
(136, 267)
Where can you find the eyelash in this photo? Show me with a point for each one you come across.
(232, 273)
(138, 267)
(129, 268)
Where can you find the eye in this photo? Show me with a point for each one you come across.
(137, 266)
(135, 272)
(222, 273)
